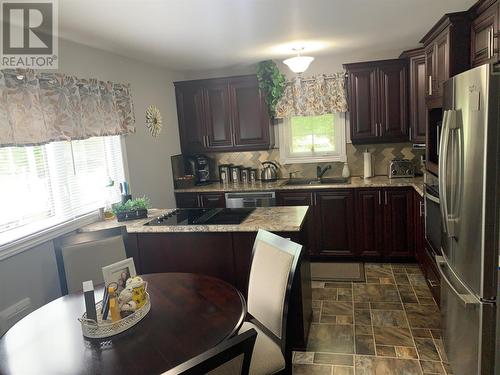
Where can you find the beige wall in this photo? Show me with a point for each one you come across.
(148, 158)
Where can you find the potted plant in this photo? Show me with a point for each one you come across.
(132, 209)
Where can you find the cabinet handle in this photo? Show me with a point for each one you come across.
(385, 197)
(490, 43)
(422, 209)
(379, 198)
(430, 85)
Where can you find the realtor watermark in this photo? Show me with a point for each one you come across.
(29, 34)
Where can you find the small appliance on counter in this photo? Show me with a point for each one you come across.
(235, 173)
(270, 171)
(401, 168)
(225, 173)
(199, 166)
(253, 175)
(245, 175)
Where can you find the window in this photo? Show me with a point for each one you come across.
(43, 186)
(310, 139)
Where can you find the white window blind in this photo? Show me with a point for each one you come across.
(43, 186)
(311, 139)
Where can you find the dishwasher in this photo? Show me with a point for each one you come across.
(251, 199)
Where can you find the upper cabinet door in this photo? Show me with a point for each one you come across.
(218, 117)
(190, 114)
(442, 62)
(418, 110)
(393, 88)
(484, 36)
(363, 108)
(249, 114)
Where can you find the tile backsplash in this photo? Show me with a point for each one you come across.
(382, 154)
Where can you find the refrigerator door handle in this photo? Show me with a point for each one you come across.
(466, 299)
(456, 164)
(443, 165)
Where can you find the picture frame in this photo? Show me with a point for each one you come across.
(119, 272)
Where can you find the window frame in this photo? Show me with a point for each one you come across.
(286, 157)
(25, 237)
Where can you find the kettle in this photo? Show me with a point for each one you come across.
(269, 172)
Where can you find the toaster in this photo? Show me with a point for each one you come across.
(401, 168)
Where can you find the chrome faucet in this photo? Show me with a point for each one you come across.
(320, 172)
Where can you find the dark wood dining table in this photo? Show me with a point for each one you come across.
(189, 314)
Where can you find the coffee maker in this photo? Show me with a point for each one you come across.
(199, 166)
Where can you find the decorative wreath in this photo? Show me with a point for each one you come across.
(153, 120)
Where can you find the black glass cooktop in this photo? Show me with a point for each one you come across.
(202, 216)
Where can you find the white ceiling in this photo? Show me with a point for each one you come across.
(190, 35)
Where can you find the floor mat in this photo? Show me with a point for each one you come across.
(337, 271)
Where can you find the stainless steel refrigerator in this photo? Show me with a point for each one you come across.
(469, 184)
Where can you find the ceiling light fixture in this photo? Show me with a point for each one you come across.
(299, 64)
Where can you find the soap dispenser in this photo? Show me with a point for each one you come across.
(346, 173)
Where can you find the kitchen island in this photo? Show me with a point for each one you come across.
(222, 251)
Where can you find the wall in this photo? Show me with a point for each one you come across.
(382, 153)
(147, 157)
(33, 273)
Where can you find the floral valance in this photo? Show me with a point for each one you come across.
(37, 108)
(313, 96)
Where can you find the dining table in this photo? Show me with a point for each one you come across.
(190, 313)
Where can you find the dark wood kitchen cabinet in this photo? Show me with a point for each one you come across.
(330, 222)
(334, 223)
(419, 215)
(222, 114)
(369, 223)
(190, 113)
(251, 125)
(417, 108)
(399, 224)
(301, 198)
(378, 101)
(217, 116)
(200, 200)
(447, 50)
(187, 200)
(485, 31)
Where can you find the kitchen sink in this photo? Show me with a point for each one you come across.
(317, 181)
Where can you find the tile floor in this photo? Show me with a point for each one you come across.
(388, 325)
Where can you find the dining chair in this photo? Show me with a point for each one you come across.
(231, 357)
(81, 256)
(273, 265)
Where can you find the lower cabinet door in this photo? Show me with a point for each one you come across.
(399, 223)
(301, 198)
(334, 223)
(369, 223)
(187, 200)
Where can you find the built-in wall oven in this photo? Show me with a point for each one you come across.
(433, 228)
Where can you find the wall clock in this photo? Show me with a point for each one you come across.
(153, 120)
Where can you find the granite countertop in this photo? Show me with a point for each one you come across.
(275, 219)
(355, 182)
